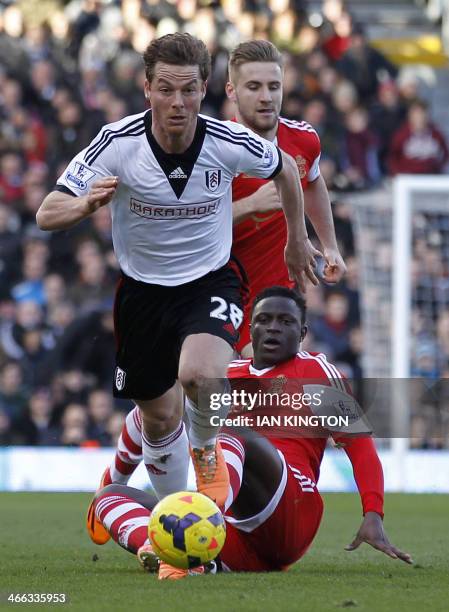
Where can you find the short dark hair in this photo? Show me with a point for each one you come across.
(180, 49)
(254, 51)
(285, 292)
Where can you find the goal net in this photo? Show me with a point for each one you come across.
(402, 238)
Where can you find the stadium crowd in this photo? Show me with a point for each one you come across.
(66, 70)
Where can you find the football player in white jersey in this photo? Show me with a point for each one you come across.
(167, 174)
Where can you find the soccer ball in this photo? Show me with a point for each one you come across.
(187, 529)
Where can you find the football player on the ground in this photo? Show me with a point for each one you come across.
(255, 87)
(167, 174)
(273, 508)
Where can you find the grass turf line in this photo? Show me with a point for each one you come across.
(44, 549)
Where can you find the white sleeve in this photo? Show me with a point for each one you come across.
(314, 171)
(97, 160)
(256, 156)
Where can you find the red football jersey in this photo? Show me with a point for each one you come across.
(259, 241)
(309, 451)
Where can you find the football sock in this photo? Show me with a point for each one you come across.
(202, 432)
(234, 454)
(129, 448)
(167, 461)
(126, 520)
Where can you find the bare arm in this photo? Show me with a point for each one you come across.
(60, 210)
(299, 252)
(318, 210)
(264, 200)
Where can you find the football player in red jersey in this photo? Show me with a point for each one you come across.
(273, 509)
(255, 87)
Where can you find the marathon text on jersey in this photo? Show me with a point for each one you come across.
(194, 211)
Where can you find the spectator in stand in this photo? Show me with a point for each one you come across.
(11, 177)
(9, 249)
(418, 146)
(100, 409)
(336, 32)
(332, 329)
(6, 436)
(365, 66)
(387, 112)
(13, 393)
(359, 158)
(36, 427)
(74, 421)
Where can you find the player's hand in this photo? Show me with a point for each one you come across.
(300, 261)
(335, 267)
(101, 193)
(266, 199)
(372, 532)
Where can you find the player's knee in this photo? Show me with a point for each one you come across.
(160, 421)
(196, 380)
(112, 489)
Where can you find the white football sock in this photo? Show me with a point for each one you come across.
(202, 433)
(167, 461)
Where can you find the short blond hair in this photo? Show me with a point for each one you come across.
(253, 51)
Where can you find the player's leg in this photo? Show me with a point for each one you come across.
(165, 445)
(147, 365)
(288, 533)
(247, 452)
(128, 454)
(256, 484)
(209, 331)
(147, 368)
(202, 371)
(277, 511)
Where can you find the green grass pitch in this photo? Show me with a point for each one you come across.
(44, 549)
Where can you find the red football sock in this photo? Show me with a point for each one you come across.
(126, 520)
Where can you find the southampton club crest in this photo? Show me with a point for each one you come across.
(213, 179)
(302, 166)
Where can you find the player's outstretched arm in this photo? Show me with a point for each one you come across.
(299, 252)
(318, 210)
(264, 200)
(60, 211)
(372, 532)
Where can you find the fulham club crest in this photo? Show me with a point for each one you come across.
(120, 376)
(213, 179)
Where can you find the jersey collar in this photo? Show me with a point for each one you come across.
(177, 167)
(256, 372)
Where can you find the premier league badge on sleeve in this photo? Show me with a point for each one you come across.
(268, 156)
(80, 175)
(213, 179)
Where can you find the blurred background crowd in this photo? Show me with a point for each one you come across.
(66, 69)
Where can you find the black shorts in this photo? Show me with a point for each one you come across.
(152, 321)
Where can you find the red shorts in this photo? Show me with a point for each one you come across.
(285, 536)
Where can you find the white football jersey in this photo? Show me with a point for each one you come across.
(172, 213)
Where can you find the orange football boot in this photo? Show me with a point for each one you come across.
(97, 533)
(168, 572)
(212, 476)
